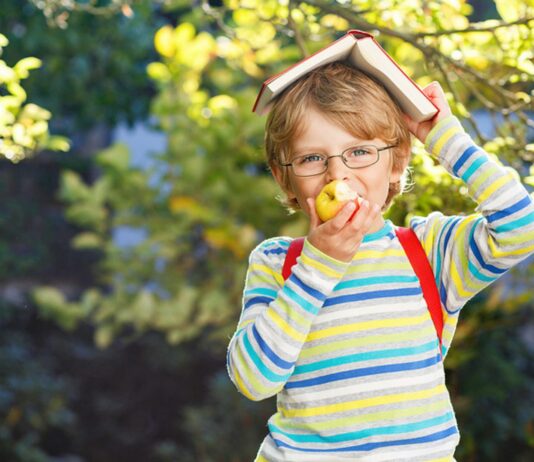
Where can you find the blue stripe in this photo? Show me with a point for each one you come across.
(371, 295)
(276, 251)
(344, 375)
(370, 446)
(260, 366)
(305, 304)
(525, 202)
(445, 231)
(261, 291)
(474, 248)
(524, 221)
(473, 167)
(275, 359)
(370, 355)
(375, 280)
(306, 288)
(442, 290)
(257, 300)
(368, 432)
(481, 277)
(463, 158)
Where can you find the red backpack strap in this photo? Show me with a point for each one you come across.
(416, 254)
(417, 257)
(293, 252)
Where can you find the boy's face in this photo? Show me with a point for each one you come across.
(322, 136)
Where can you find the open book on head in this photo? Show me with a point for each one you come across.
(360, 50)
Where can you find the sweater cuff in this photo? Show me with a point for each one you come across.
(319, 270)
(446, 134)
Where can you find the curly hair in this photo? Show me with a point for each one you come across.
(350, 99)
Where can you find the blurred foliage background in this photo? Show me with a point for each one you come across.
(115, 350)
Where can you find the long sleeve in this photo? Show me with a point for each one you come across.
(276, 317)
(469, 252)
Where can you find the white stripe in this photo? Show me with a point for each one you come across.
(390, 307)
(273, 454)
(353, 389)
(399, 453)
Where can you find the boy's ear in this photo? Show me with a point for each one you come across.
(276, 170)
(396, 174)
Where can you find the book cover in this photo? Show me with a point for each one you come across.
(360, 50)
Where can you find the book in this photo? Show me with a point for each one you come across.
(360, 50)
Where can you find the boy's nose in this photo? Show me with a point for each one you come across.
(336, 169)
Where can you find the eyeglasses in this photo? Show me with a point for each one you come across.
(353, 157)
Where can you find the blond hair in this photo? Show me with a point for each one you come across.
(350, 99)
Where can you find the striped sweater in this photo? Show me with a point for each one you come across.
(350, 349)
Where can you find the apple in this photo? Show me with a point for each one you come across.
(333, 197)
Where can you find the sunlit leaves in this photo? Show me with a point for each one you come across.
(23, 126)
(512, 10)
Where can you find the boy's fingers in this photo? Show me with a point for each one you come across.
(340, 220)
(361, 215)
(374, 211)
(314, 219)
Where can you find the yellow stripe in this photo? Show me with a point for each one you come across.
(251, 377)
(260, 458)
(364, 326)
(370, 267)
(443, 139)
(295, 315)
(362, 403)
(481, 179)
(245, 323)
(462, 281)
(239, 380)
(265, 269)
(320, 266)
(308, 353)
(498, 251)
(492, 188)
(362, 418)
(432, 233)
(366, 254)
(323, 256)
(286, 328)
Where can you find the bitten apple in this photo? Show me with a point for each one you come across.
(333, 197)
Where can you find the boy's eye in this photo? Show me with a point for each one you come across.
(359, 151)
(309, 158)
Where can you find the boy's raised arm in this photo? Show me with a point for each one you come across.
(469, 252)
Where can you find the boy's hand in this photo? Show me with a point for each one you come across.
(341, 236)
(437, 96)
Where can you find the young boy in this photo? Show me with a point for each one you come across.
(346, 342)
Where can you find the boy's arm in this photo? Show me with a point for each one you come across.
(277, 317)
(469, 252)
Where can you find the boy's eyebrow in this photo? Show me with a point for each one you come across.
(354, 142)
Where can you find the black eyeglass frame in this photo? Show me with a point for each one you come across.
(378, 150)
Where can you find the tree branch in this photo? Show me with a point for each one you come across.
(476, 27)
(294, 27)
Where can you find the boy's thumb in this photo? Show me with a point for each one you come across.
(314, 218)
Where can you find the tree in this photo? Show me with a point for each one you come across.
(208, 199)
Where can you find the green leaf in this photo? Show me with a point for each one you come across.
(72, 188)
(104, 335)
(87, 241)
(25, 65)
(58, 143)
(116, 157)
